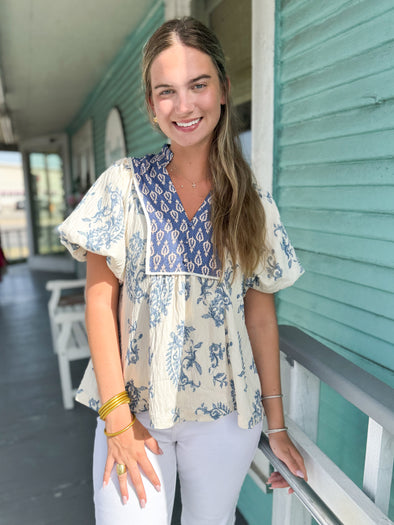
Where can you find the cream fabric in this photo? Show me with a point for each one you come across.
(185, 350)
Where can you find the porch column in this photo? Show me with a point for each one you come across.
(177, 8)
(263, 82)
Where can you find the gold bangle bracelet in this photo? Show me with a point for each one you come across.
(105, 413)
(112, 403)
(111, 406)
(113, 434)
(113, 400)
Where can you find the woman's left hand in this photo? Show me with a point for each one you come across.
(284, 449)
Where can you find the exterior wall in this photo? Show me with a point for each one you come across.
(335, 188)
(334, 173)
(121, 87)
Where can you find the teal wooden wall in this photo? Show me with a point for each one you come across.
(121, 86)
(334, 183)
(335, 172)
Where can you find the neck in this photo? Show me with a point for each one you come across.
(193, 159)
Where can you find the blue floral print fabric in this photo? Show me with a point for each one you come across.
(185, 350)
(176, 244)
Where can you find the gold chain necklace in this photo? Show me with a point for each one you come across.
(194, 184)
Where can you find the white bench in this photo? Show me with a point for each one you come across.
(67, 320)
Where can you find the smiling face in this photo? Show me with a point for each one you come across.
(186, 95)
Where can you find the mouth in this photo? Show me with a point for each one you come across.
(189, 125)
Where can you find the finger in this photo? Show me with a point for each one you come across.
(136, 480)
(279, 484)
(275, 476)
(153, 445)
(124, 492)
(149, 471)
(109, 464)
(298, 468)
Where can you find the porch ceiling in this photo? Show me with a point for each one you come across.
(51, 56)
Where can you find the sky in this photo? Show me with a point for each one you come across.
(10, 157)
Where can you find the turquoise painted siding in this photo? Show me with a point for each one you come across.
(121, 87)
(334, 183)
(335, 174)
(255, 507)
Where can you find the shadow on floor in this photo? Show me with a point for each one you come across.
(45, 451)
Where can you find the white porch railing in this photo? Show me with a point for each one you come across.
(330, 496)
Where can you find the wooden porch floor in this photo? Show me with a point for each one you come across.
(45, 451)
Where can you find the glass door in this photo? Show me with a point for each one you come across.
(48, 202)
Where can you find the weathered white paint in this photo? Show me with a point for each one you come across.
(301, 391)
(177, 8)
(378, 469)
(304, 400)
(263, 53)
(348, 502)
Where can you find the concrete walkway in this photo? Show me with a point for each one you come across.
(45, 451)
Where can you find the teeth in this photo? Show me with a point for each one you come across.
(187, 124)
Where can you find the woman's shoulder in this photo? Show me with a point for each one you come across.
(264, 194)
(148, 161)
(124, 169)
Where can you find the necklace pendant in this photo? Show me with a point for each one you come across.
(194, 185)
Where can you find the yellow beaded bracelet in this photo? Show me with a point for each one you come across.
(112, 403)
(112, 434)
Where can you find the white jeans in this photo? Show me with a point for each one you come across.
(212, 460)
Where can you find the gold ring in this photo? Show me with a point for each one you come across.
(120, 469)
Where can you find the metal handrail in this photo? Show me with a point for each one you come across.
(315, 505)
(366, 392)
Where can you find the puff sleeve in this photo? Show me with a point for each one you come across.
(280, 267)
(98, 223)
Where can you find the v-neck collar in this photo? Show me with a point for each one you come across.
(176, 244)
(207, 200)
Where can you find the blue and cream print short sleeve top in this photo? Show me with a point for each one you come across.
(185, 351)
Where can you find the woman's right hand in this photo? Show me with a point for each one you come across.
(128, 448)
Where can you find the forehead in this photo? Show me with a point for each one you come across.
(179, 62)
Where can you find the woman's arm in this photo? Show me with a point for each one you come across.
(102, 295)
(262, 326)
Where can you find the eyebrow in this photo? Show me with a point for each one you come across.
(200, 77)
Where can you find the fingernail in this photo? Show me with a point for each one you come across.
(143, 503)
(105, 483)
(160, 451)
(299, 474)
(125, 499)
(158, 488)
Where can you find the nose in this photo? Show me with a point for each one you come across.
(184, 104)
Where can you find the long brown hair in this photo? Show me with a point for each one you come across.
(237, 215)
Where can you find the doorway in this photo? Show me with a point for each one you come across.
(47, 201)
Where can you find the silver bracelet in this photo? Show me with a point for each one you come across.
(275, 430)
(271, 397)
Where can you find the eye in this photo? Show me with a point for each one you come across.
(197, 87)
(166, 92)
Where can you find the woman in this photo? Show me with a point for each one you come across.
(183, 257)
